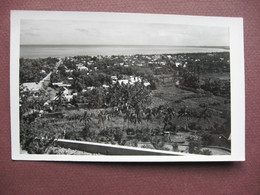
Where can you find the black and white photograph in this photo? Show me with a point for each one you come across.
(126, 87)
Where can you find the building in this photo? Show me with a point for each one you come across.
(32, 86)
(43, 84)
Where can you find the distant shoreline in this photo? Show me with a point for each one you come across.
(45, 51)
(124, 55)
(184, 46)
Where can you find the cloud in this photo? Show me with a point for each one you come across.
(82, 30)
(31, 34)
(120, 33)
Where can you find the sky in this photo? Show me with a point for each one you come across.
(53, 32)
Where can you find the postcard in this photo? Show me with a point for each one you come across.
(126, 87)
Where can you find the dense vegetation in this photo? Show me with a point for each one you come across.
(34, 70)
(185, 105)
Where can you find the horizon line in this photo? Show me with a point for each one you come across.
(222, 46)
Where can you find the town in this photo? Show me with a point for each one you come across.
(172, 102)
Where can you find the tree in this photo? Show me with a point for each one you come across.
(169, 115)
(189, 79)
(186, 114)
(205, 115)
(148, 116)
(59, 100)
(86, 131)
(77, 83)
(31, 103)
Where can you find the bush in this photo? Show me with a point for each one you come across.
(88, 133)
(206, 152)
(194, 126)
(158, 143)
(32, 141)
(175, 147)
(148, 146)
(153, 85)
(190, 79)
(206, 139)
(143, 135)
(194, 145)
(133, 143)
(118, 135)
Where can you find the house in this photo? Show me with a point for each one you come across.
(146, 84)
(105, 86)
(57, 84)
(32, 86)
(177, 64)
(46, 81)
(66, 94)
(135, 79)
(91, 88)
(156, 57)
(163, 63)
(61, 84)
(66, 91)
(68, 97)
(177, 83)
(124, 81)
(81, 67)
(114, 78)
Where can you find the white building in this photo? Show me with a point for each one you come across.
(124, 81)
(32, 86)
(81, 67)
(105, 86)
(177, 64)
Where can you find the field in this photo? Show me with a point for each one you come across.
(177, 102)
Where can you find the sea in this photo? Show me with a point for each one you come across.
(44, 51)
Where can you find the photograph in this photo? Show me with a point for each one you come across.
(95, 86)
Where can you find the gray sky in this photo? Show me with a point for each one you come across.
(53, 32)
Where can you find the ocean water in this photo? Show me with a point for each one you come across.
(43, 51)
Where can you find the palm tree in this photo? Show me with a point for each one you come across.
(86, 118)
(186, 114)
(205, 115)
(148, 116)
(169, 115)
(59, 100)
(101, 119)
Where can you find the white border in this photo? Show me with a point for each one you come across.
(237, 81)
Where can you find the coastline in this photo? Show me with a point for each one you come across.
(45, 51)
